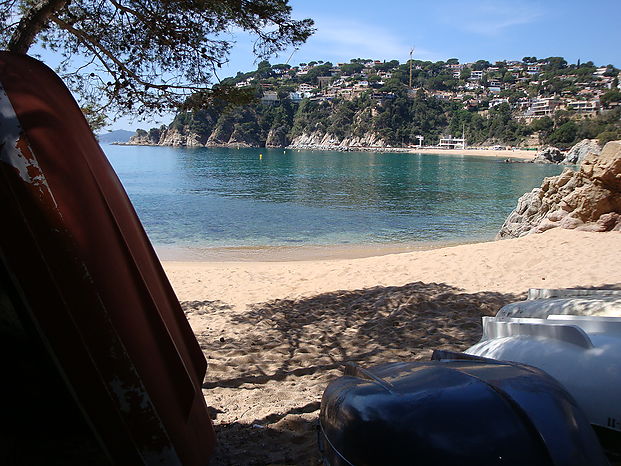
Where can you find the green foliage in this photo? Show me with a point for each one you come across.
(612, 96)
(96, 120)
(315, 72)
(387, 66)
(264, 70)
(564, 131)
(543, 125)
(141, 56)
(555, 63)
(480, 65)
(311, 116)
(498, 127)
(154, 135)
(351, 68)
(502, 127)
(564, 135)
(342, 118)
(608, 136)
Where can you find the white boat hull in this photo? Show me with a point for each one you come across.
(582, 352)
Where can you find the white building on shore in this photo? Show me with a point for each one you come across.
(450, 142)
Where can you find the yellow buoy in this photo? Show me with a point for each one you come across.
(260, 156)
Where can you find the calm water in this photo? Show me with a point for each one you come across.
(230, 198)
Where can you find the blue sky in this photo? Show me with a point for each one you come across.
(438, 30)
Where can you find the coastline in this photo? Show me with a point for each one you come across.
(519, 154)
(556, 258)
(167, 253)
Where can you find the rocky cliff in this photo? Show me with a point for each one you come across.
(320, 140)
(176, 138)
(146, 138)
(182, 137)
(587, 199)
(373, 120)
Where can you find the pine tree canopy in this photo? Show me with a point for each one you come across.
(141, 56)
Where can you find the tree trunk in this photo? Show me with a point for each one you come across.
(32, 23)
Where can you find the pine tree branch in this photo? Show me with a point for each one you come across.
(93, 45)
(32, 23)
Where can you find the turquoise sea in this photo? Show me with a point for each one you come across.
(230, 198)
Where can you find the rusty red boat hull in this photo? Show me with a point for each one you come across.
(90, 281)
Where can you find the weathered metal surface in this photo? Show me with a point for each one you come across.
(90, 279)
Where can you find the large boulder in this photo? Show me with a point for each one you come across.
(589, 199)
(578, 152)
(549, 155)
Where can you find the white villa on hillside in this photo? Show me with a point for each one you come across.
(584, 107)
(305, 89)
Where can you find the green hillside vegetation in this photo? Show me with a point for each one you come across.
(500, 103)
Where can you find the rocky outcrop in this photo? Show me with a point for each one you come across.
(176, 138)
(574, 156)
(578, 152)
(589, 199)
(277, 137)
(146, 138)
(318, 140)
(140, 140)
(549, 155)
(240, 139)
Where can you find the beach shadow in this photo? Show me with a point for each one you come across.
(368, 326)
(288, 438)
(269, 368)
(204, 307)
(267, 378)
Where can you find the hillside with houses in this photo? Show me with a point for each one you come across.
(373, 103)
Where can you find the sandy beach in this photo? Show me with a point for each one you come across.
(522, 155)
(275, 333)
(518, 154)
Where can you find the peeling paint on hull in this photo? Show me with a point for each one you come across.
(90, 280)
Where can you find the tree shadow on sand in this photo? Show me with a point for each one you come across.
(290, 349)
(368, 326)
(287, 438)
